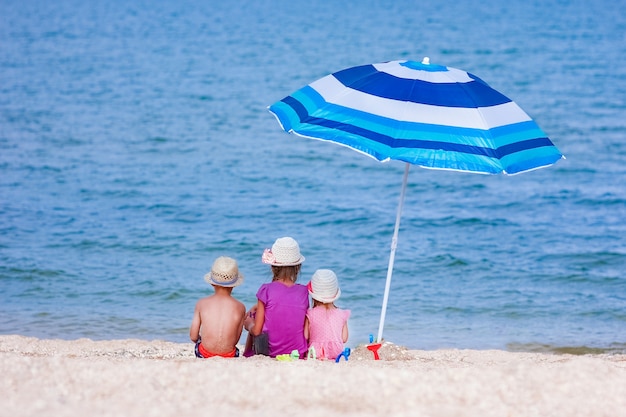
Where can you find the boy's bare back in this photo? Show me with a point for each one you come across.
(218, 320)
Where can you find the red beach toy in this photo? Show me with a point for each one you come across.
(374, 348)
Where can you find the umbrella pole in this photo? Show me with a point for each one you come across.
(392, 256)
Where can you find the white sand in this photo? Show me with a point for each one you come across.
(141, 378)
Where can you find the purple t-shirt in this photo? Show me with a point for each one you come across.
(285, 310)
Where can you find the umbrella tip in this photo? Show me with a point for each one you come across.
(426, 61)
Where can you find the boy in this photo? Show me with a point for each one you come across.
(218, 319)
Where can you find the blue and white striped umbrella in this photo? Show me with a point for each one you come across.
(420, 113)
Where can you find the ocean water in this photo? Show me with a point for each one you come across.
(136, 147)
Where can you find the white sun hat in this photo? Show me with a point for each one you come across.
(224, 273)
(285, 252)
(324, 286)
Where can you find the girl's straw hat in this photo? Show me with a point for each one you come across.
(224, 273)
(285, 252)
(324, 286)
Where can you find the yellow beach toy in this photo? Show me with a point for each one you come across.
(288, 357)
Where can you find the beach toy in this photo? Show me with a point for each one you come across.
(345, 354)
(288, 357)
(311, 353)
(373, 347)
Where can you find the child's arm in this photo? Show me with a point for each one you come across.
(194, 330)
(344, 332)
(248, 321)
(256, 328)
(306, 328)
(243, 319)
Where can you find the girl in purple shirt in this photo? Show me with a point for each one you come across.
(281, 305)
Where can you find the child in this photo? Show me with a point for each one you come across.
(281, 305)
(218, 319)
(326, 326)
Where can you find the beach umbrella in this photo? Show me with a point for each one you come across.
(420, 113)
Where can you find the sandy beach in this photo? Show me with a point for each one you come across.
(157, 378)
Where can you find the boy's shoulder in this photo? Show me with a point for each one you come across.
(236, 305)
(240, 303)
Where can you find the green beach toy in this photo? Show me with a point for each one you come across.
(311, 353)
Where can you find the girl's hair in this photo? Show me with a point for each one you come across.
(317, 303)
(286, 273)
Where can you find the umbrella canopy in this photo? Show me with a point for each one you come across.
(424, 114)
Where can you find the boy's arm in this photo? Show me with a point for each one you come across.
(194, 330)
(242, 308)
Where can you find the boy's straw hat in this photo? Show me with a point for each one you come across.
(324, 286)
(224, 273)
(285, 252)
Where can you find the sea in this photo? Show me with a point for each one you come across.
(136, 147)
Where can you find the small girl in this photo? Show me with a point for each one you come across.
(281, 307)
(326, 326)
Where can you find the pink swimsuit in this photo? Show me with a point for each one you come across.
(325, 330)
